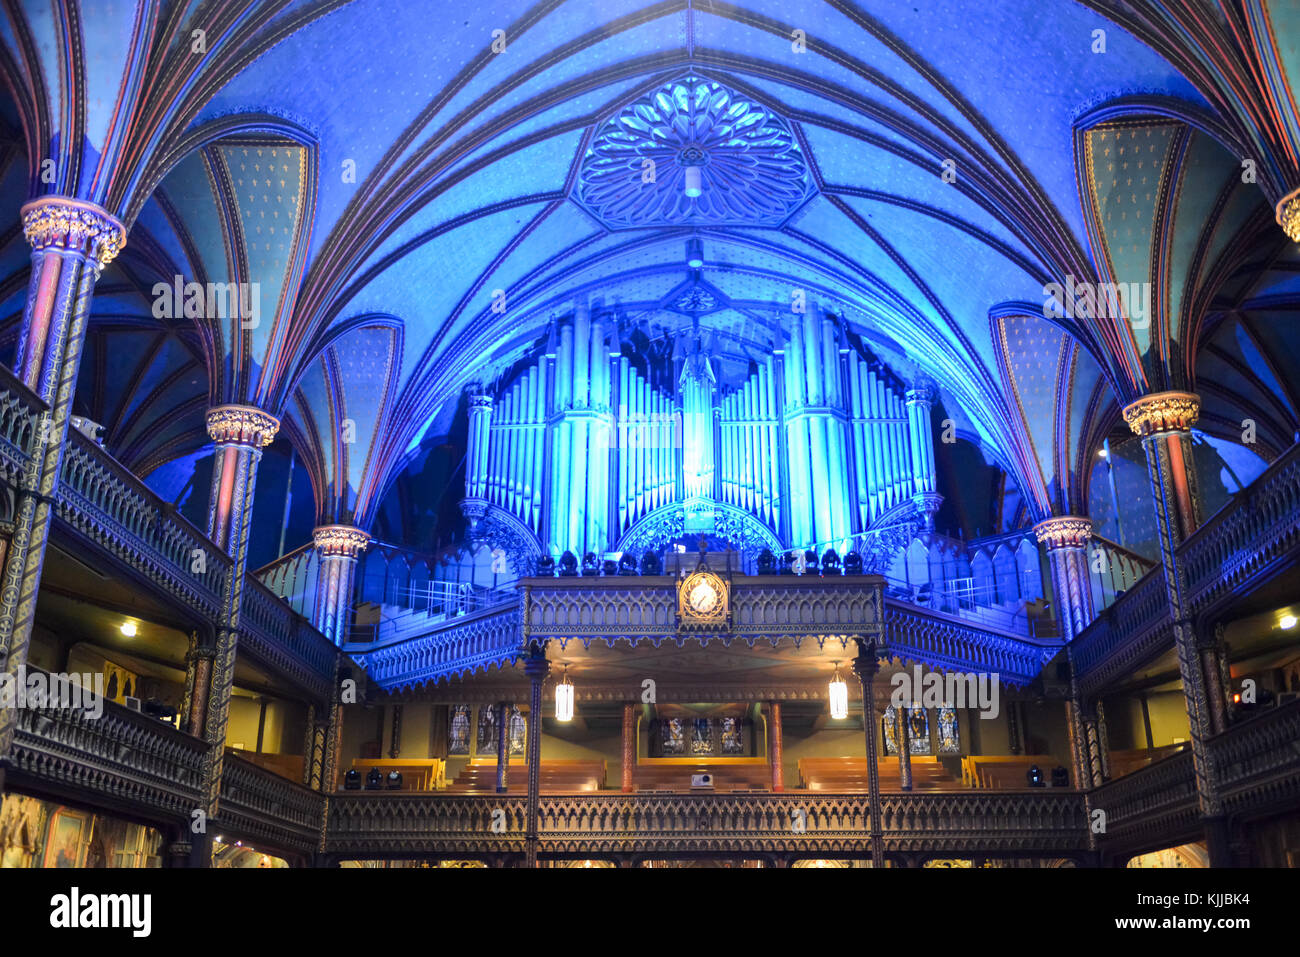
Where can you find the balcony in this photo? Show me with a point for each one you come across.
(265, 808)
(123, 760)
(792, 822)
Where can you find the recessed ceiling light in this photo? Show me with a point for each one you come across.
(1287, 621)
(129, 629)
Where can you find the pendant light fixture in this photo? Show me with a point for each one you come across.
(839, 692)
(564, 698)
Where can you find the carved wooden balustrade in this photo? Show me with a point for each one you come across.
(260, 806)
(916, 633)
(1153, 804)
(123, 760)
(20, 418)
(453, 647)
(1258, 762)
(1135, 628)
(278, 636)
(101, 504)
(1242, 543)
(393, 825)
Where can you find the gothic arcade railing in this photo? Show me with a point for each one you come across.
(1153, 804)
(384, 825)
(262, 806)
(1258, 761)
(1128, 632)
(20, 419)
(280, 637)
(1243, 539)
(123, 758)
(451, 647)
(946, 641)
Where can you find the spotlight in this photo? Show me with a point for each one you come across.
(1035, 777)
(1103, 453)
(1287, 621)
(129, 629)
(694, 253)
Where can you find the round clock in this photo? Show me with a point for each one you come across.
(702, 598)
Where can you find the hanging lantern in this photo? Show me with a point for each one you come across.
(839, 696)
(694, 253)
(694, 182)
(564, 698)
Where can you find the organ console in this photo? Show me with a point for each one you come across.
(591, 441)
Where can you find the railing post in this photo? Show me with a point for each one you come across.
(71, 242)
(776, 749)
(867, 666)
(503, 747)
(904, 750)
(1164, 421)
(629, 747)
(536, 668)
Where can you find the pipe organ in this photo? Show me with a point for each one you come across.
(816, 442)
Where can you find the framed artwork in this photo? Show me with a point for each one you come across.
(458, 730)
(69, 834)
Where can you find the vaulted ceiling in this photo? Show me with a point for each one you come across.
(419, 192)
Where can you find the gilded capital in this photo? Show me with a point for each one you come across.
(242, 424)
(1287, 213)
(1163, 412)
(61, 223)
(1064, 531)
(339, 540)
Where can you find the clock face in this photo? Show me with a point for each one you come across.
(702, 597)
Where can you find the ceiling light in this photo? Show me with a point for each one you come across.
(694, 182)
(839, 696)
(128, 629)
(694, 253)
(1103, 453)
(1288, 621)
(564, 698)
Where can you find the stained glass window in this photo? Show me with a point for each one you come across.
(701, 736)
(458, 730)
(674, 736)
(518, 730)
(487, 729)
(890, 724)
(949, 742)
(733, 741)
(918, 730)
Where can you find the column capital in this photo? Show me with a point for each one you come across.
(1063, 531)
(537, 666)
(243, 424)
(866, 665)
(344, 541)
(920, 393)
(1287, 214)
(74, 225)
(1163, 412)
(479, 400)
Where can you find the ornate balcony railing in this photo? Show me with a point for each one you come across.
(1244, 539)
(124, 759)
(1128, 632)
(261, 806)
(1153, 803)
(102, 503)
(281, 638)
(452, 647)
(1258, 761)
(20, 420)
(922, 634)
(393, 825)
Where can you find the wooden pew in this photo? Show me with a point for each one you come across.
(554, 777)
(850, 774)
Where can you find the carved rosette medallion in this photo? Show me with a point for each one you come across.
(242, 425)
(56, 222)
(1287, 214)
(339, 541)
(1065, 531)
(1163, 412)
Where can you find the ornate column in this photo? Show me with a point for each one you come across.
(919, 399)
(629, 746)
(1214, 664)
(904, 750)
(1066, 538)
(503, 747)
(536, 667)
(339, 547)
(867, 666)
(240, 433)
(1164, 421)
(776, 750)
(71, 243)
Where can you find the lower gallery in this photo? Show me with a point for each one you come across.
(649, 435)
